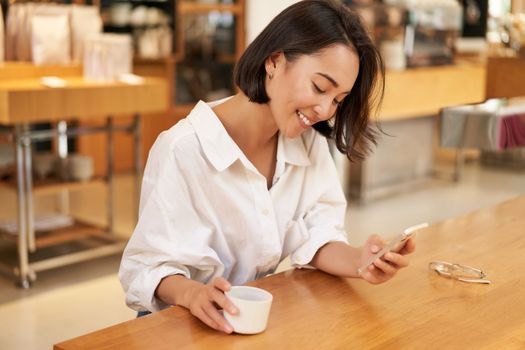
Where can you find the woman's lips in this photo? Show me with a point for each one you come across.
(304, 121)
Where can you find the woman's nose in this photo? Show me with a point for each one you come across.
(324, 108)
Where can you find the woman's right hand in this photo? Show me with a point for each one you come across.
(207, 299)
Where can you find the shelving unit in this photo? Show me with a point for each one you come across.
(168, 68)
(26, 101)
(52, 185)
(78, 231)
(95, 241)
(188, 50)
(210, 39)
(140, 18)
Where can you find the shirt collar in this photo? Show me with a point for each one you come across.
(293, 150)
(217, 145)
(222, 151)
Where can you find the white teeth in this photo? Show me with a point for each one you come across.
(304, 119)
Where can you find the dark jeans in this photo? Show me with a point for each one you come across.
(143, 313)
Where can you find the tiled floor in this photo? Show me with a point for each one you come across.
(81, 298)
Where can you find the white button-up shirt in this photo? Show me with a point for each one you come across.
(206, 211)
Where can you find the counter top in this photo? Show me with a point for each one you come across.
(418, 309)
(28, 100)
(424, 91)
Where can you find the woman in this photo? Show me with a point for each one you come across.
(241, 184)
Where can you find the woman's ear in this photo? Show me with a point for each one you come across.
(272, 62)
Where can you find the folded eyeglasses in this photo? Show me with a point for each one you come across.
(459, 272)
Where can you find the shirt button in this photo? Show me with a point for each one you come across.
(265, 211)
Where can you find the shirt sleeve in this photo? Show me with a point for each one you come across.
(171, 236)
(324, 221)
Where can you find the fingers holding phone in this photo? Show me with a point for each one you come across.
(380, 262)
(383, 267)
(409, 247)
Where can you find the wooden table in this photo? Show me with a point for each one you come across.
(416, 310)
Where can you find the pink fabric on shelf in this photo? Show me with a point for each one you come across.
(512, 131)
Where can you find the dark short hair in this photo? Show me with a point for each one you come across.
(304, 29)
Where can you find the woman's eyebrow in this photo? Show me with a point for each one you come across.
(330, 79)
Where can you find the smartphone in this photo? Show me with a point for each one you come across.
(392, 246)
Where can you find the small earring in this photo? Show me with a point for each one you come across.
(270, 76)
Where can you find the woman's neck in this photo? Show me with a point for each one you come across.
(251, 125)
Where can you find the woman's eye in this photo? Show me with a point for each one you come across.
(317, 89)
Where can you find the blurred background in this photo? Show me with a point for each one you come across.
(86, 87)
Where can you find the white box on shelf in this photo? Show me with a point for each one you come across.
(107, 56)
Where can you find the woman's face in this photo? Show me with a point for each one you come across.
(308, 90)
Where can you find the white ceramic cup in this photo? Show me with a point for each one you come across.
(254, 308)
(80, 168)
(44, 164)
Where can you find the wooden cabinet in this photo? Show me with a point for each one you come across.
(505, 77)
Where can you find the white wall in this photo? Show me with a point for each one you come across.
(260, 12)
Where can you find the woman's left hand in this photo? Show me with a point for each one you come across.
(383, 269)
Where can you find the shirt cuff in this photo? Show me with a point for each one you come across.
(146, 300)
(302, 257)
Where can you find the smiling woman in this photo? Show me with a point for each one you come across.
(305, 90)
(331, 38)
(245, 182)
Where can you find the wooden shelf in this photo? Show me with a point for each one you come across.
(164, 60)
(199, 8)
(28, 101)
(76, 232)
(68, 234)
(26, 70)
(221, 58)
(53, 185)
